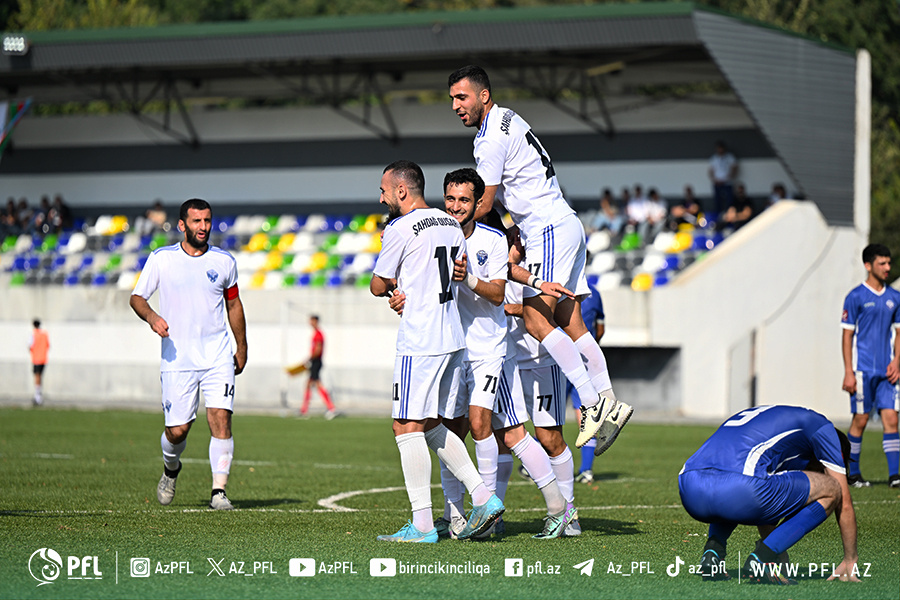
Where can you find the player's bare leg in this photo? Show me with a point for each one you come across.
(221, 453)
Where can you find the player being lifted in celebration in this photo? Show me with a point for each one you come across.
(484, 391)
(198, 291)
(763, 465)
(518, 173)
(871, 316)
(417, 257)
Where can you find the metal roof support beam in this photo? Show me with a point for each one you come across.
(551, 85)
(334, 92)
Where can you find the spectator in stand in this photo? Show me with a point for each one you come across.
(609, 216)
(778, 193)
(740, 211)
(636, 208)
(40, 219)
(24, 215)
(657, 213)
(60, 214)
(723, 168)
(9, 222)
(685, 212)
(154, 219)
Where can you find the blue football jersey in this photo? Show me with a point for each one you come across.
(766, 440)
(873, 316)
(592, 311)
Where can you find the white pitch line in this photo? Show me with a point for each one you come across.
(249, 463)
(344, 509)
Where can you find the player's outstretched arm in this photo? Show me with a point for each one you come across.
(142, 309)
(524, 276)
(239, 328)
(846, 518)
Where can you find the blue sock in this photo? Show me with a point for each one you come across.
(789, 533)
(721, 532)
(587, 456)
(891, 445)
(855, 448)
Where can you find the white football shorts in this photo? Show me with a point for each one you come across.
(181, 392)
(558, 255)
(425, 387)
(509, 405)
(544, 390)
(480, 381)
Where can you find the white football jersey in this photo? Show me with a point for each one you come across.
(418, 249)
(530, 353)
(483, 322)
(508, 154)
(192, 301)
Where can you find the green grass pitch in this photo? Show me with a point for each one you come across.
(83, 484)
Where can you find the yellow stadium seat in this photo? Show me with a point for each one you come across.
(683, 240)
(258, 280)
(374, 246)
(257, 242)
(286, 241)
(642, 282)
(274, 261)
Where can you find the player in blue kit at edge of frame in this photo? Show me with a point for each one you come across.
(871, 315)
(763, 466)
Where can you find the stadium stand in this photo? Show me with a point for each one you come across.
(317, 250)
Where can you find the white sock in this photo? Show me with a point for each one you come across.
(171, 452)
(504, 471)
(595, 362)
(566, 355)
(221, 452)
(416, 464)
(564, 468)
(453, 494)
(452, 451)
(537, 462)
(486, 453)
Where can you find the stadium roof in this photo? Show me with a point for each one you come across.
(801, 93)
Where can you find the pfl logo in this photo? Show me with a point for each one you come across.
(45, 566)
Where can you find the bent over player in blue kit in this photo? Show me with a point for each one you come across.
(871, 316)
(763, 466)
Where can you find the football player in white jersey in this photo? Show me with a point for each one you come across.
(419, 246)
(198, 293)
(518, 174)
(484, 390)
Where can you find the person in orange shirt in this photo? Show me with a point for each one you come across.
(39, 346)
(315, 366)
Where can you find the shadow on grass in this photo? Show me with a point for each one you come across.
(597, 526)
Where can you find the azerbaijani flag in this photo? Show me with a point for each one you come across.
(10, 115)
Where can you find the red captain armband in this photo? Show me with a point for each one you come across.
(231, 293)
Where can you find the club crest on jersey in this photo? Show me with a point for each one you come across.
(482, 257)
(212, 275)
(890, 304)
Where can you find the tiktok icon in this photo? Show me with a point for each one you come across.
(673, 569)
